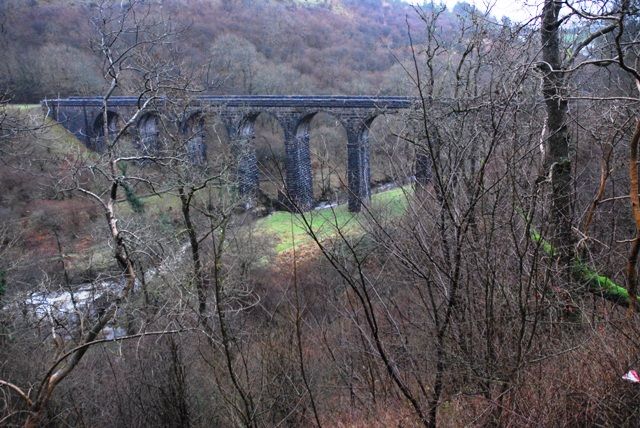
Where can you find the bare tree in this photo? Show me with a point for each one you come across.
(439, 263)
(126, 39)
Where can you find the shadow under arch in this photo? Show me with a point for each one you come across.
(98, 141)
(148, 128)
(194, 133)
(204, 139)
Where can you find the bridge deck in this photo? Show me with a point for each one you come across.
(322, 101)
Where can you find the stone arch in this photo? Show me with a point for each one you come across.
(113, 122)
(205, 139)
(325, 137)
(246, 128)
(194, 132)
(149, 134)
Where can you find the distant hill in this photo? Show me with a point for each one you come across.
(265, 46)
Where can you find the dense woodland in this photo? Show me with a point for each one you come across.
(238, 47)
(491, 279)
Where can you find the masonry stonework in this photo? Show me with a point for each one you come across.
(294, 113)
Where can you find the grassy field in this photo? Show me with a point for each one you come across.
(291, 229)
(22, 107)
(45, 133)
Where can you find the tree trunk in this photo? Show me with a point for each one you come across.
(553, 90)
(198, 276)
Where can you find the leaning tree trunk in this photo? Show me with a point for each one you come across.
(558, 161)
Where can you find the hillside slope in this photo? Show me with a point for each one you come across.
(260, 47)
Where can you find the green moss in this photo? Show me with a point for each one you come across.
(546, 245)
(601, 284)
(596, 283)
(134, 201)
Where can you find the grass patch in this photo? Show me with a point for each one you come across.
(58, 141)
(286, 228)
(289, 229)
(46, 136)
(392, 202)
(22, 107)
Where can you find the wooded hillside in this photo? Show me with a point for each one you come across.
(236, 47)
(165, 273)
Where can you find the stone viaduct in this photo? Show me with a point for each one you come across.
(83, 117)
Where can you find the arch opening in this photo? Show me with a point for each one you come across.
(391, 157)
(268, 137)
(327, 139)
